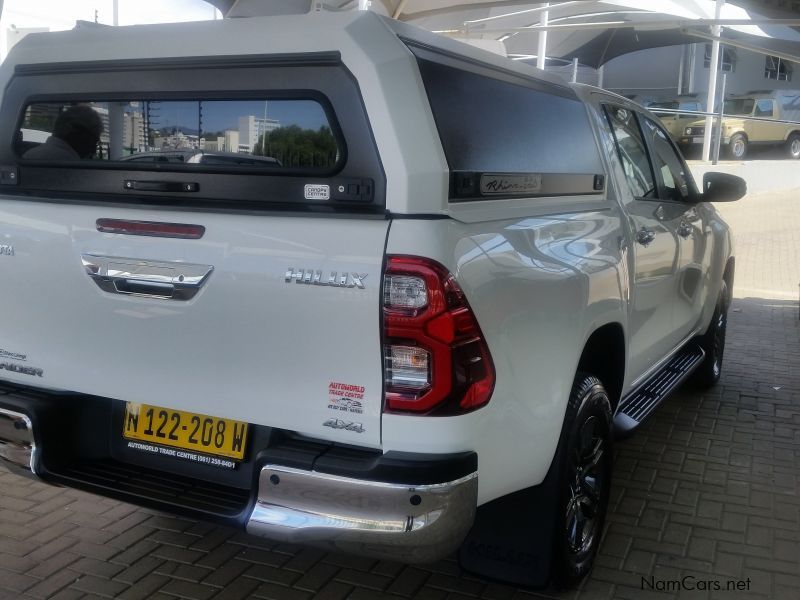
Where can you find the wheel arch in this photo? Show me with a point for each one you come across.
(727, 277)
(604, 357)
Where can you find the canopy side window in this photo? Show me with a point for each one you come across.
(507, 136)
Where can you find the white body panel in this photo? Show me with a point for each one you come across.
(248, 346)
(537, 285)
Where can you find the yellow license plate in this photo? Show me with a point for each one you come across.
(188, 431)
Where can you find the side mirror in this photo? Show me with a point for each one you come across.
(722, 187)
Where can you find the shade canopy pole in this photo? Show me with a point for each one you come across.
(541, 57)
(716, 30)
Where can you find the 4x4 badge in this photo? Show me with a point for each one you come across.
(348, 425)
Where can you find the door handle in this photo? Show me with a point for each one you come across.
(155, 279)
(645, 236)
(160, 186)
(684, 229)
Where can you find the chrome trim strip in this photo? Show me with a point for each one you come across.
(17, 445)
(153, 279)
(412, 523)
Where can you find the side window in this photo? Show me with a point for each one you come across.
(764, 108)
(667, 163)
(632, 151)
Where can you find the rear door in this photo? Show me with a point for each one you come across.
(245, 287)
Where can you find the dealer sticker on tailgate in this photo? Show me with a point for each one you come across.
(186, 431)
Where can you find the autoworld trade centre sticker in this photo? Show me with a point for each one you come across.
(345, 397)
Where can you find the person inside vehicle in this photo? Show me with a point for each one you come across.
(75, 136)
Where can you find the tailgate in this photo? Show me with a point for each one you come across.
(248, 323)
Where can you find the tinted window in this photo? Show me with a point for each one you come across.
(632, 151)
(256, 134)
(739, 106)
(488, 124)
(670, 168)
(764, 108)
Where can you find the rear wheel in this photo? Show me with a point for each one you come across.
(737, 147)
(713, 343)
(793, 145)
(584, 480)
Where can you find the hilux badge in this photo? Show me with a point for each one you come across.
(314, 277)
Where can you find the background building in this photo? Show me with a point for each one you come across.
(133, 138)
(675, 70)
(252, 128)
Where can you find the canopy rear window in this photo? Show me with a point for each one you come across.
(199, 135)
(273, 132)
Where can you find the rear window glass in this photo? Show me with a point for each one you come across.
(265, 134)
(512, 126)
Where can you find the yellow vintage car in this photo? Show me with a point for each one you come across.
(675, 124)
(771, 108)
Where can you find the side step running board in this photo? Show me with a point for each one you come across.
(641, 402)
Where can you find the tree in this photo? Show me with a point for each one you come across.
(294, 146)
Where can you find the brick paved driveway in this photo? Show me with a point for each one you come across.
(707, 489)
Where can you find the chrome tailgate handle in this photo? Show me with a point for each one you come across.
(154, 279)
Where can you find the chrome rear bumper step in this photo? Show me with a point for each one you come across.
(410, 523)
(637, 406)
(17, 445)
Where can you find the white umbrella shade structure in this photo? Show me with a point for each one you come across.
(593, 31)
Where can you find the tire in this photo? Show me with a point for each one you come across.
(793, 145)
(737, 147)
(713, 343)
(584, 480)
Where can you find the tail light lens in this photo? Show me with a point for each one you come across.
(436, 360)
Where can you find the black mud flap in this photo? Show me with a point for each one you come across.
(512, 538)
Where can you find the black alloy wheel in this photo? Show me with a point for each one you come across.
(713, 343)
(588, 481)
(585, 455)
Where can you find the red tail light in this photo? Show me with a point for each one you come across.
(436, 360)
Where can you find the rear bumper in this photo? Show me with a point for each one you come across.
(399, 506)
(410, 523)
(17, 444)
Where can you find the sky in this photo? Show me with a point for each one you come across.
(62, 14)
(57, 15)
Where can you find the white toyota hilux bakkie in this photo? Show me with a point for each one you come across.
(339, 281)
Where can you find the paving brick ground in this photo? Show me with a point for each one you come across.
(706, 491)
